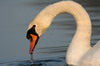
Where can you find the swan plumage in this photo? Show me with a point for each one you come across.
(79, 49)
(92, 57)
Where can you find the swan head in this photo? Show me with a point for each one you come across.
(33, 36)
(35, 30)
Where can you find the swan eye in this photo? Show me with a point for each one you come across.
(31, 31)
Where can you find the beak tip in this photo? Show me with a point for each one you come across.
(31, 52)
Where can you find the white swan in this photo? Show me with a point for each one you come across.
(79, 52)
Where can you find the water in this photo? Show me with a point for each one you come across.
(15, 16)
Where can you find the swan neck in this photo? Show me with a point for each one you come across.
(73, 8)
(81, 40)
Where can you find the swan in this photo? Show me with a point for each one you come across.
(80, 52)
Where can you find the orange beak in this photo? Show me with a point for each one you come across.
(33, 42)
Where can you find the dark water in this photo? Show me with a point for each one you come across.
(43, 62)
(15, 16)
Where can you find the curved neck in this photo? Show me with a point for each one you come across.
(77, 11)
(81, 41)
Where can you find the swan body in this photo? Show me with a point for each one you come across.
(92, 57)
(80, 44)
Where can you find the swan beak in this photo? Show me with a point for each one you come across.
(33, 42)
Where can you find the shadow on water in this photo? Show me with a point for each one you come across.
(58, 49)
